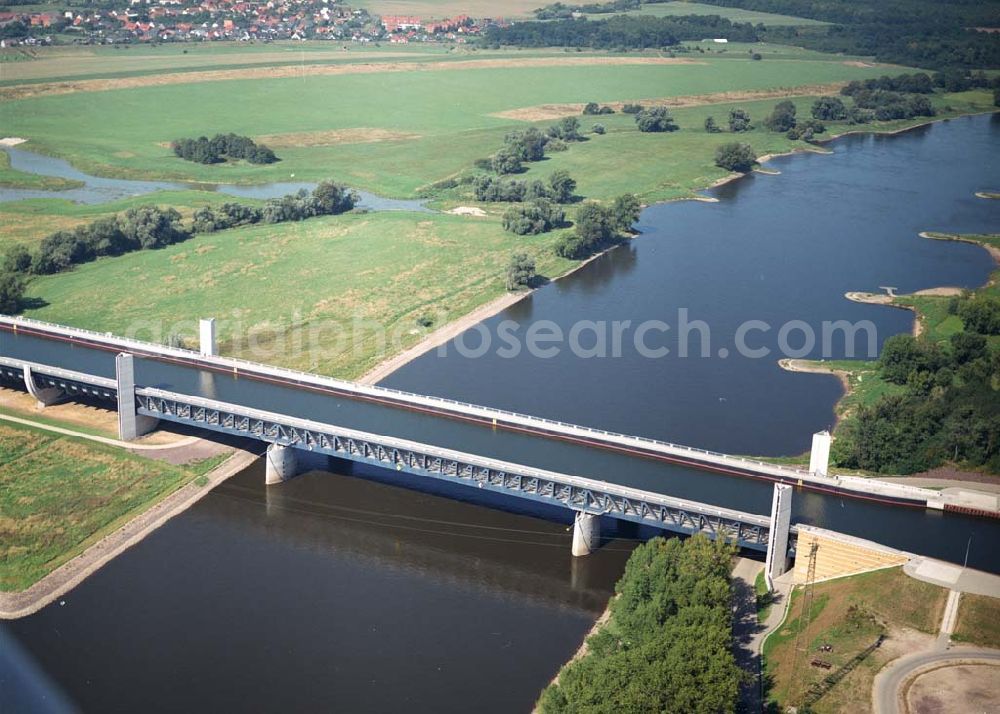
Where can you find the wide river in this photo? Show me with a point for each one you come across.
(336, 593)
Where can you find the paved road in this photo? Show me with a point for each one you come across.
(748, 633)
(889, 681)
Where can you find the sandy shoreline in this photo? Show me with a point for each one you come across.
(993, 250)
(67, 576)
(805, 366)
(456, 327)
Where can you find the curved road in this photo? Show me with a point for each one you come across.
(888, 683)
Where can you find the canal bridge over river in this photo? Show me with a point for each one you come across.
(595, 473)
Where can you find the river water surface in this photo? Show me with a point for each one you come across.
(336, 593)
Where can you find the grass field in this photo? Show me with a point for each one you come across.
(849, 614)
(978, 620)
(299, 286)
(443, 108)
(394, 129)
(389, 268)
(734, 14)
(437, 9)
(59, 495)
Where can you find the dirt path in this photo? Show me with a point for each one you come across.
(25, 91)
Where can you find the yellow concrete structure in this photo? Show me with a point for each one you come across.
(838, 555)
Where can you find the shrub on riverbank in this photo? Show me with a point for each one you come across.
(735, 156)
(668, 643)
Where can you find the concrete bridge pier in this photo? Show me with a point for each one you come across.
(206, 337)
(131, 424)
(44, 396)
(280, 463)
(819, 457)
(776, 562)
(586, 533)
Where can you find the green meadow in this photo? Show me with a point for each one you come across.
(446, 117)
(59, 495)
(301, 284)
(398, 133)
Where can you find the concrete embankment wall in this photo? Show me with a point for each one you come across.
(838, 555)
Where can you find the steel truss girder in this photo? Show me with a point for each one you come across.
(423, 461)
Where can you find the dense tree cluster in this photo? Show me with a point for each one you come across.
(222, 147)
(520, 271)
(149, 227)
(916, 83)
(597, 226)
(497, 189)
(921, 33)
(668, 647)
(533, 217)
(558, 10)
(527, 145)
(141, 228)
(950, 409)
(887, 106)
(12, 287)
(566, 129)
(593, 108)
(782, 118)
(621, 31)
(735, 156)
(829, 109)
(739, 120)
(655, 119)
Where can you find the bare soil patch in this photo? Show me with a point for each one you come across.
(955, 688)
(940, 292)
(24, 91)
(360, 135)
(467, 211)
(546, 112)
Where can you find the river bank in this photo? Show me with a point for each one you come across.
(866, 379)
(129, 529)
(451, 330)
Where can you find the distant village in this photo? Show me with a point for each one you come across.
(237, 20)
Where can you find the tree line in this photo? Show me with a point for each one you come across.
(620, 31)
(151, 227)
(668, 646)
(949, 409)
(222, 147)
(918, 33)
